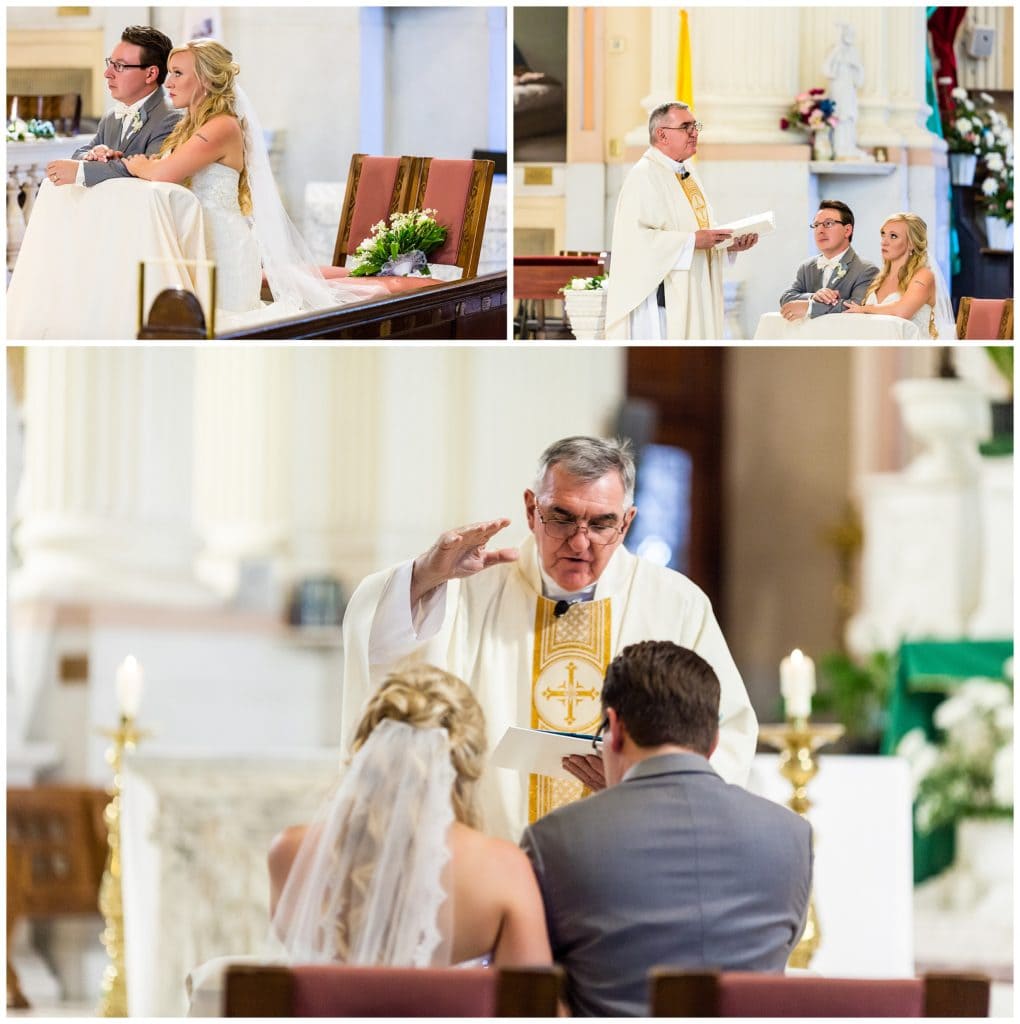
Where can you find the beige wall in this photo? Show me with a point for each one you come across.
(786, 480)
(627, 50)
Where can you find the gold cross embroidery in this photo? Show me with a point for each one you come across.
(696, 198)
(570, 693)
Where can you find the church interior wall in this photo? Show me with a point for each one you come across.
(541, 33)
(786, 471)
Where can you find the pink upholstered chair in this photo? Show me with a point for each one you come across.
(677, 993)
(376, 187)
(984, 319)
(335, 990)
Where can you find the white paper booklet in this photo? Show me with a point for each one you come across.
(757, 224)
(532, 750)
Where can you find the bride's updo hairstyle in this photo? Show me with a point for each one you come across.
(215, 70)
(917, 257)
(426, 697)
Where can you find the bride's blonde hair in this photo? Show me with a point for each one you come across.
(215, 70)
(425, 697)
(917, 257)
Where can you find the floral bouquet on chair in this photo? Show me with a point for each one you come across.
(401, 248)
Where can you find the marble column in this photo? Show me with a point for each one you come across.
(243, 451)
(103, 512)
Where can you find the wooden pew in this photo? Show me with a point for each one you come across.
(472, 310)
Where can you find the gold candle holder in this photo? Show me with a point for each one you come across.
(113, 1000)
(797, 741)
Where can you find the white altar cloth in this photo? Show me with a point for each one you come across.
(89, 289)
(863, 869)
(838, 327)
(195, 832)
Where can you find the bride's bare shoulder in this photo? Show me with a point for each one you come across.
(222, 127)
(503, 858)
(922, 276)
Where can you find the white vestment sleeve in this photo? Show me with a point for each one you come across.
(396, 630)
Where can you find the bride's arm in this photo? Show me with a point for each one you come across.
(215, 140)
(919, 291)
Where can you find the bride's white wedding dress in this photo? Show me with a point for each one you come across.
(229, 239)
(921, 319)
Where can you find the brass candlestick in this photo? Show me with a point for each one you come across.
(113, 1001)
(797, 741)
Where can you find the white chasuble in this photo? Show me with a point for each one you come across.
(655, 218)
(489, 633)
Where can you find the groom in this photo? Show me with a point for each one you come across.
(824, 282)
(141, 120)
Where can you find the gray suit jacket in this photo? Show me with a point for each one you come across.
(158, 121)
(672, 866)
(851, 285)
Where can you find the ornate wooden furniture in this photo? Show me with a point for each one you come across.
(985, 319)
(63, 110)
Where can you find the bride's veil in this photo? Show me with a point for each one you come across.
(292, 274)
(367, 884)
(945, 322)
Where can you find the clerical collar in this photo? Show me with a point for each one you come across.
(554, 592)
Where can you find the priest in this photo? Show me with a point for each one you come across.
(531, 630)
(666, 277)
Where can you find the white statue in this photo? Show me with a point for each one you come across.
(845, 72)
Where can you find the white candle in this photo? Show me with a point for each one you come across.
(14, 109)
(797, 683)
(130, 680)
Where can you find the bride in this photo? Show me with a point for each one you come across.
(85, 245)
(394, 870)
(909, 284)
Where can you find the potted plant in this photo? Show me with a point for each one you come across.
(996, 199)
(813, 112)
(584, 302)
(965, 778)
(857, 693)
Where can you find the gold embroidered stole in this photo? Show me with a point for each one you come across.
(572, 652)
(696, 198)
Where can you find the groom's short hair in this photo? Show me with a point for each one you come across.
(846, 215)
(154, 44)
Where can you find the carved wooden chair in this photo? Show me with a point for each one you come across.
(56, 851)
(376, 187)
(677, 993)
(63, 110)
(336, 990)
(984, 319)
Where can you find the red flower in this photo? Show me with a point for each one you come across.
(783, 123)
(817, 92)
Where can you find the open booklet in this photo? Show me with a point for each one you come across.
(757, 224)
(540, 752)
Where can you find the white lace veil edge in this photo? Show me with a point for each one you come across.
(945, 322)
(292, 274)
(368, 885)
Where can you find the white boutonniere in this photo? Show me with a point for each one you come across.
(837, 274)
(135, 123)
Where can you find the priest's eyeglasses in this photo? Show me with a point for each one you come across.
(564, 527)
(599, 738)
(119, 65)
(824, 224)
(690, 127)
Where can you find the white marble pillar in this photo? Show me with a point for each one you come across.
(333, 508)
(905, 70)
(104, 507)
(243, 460)
(745, 70)
(994, 616)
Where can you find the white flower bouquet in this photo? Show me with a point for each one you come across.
(400, 248)
(585, 284)
(22, 131)
(969, 772)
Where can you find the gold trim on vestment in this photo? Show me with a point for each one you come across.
(572, 652)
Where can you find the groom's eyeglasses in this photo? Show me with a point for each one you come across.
(598, 739)
(690, 127)
(824, 224)
(119, 65)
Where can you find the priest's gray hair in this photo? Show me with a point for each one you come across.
(659, 114)
(590, 458)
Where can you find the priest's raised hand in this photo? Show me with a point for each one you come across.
(457, 554)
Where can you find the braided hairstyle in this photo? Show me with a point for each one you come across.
(425, 697)
(215, 70)
(917, 257)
